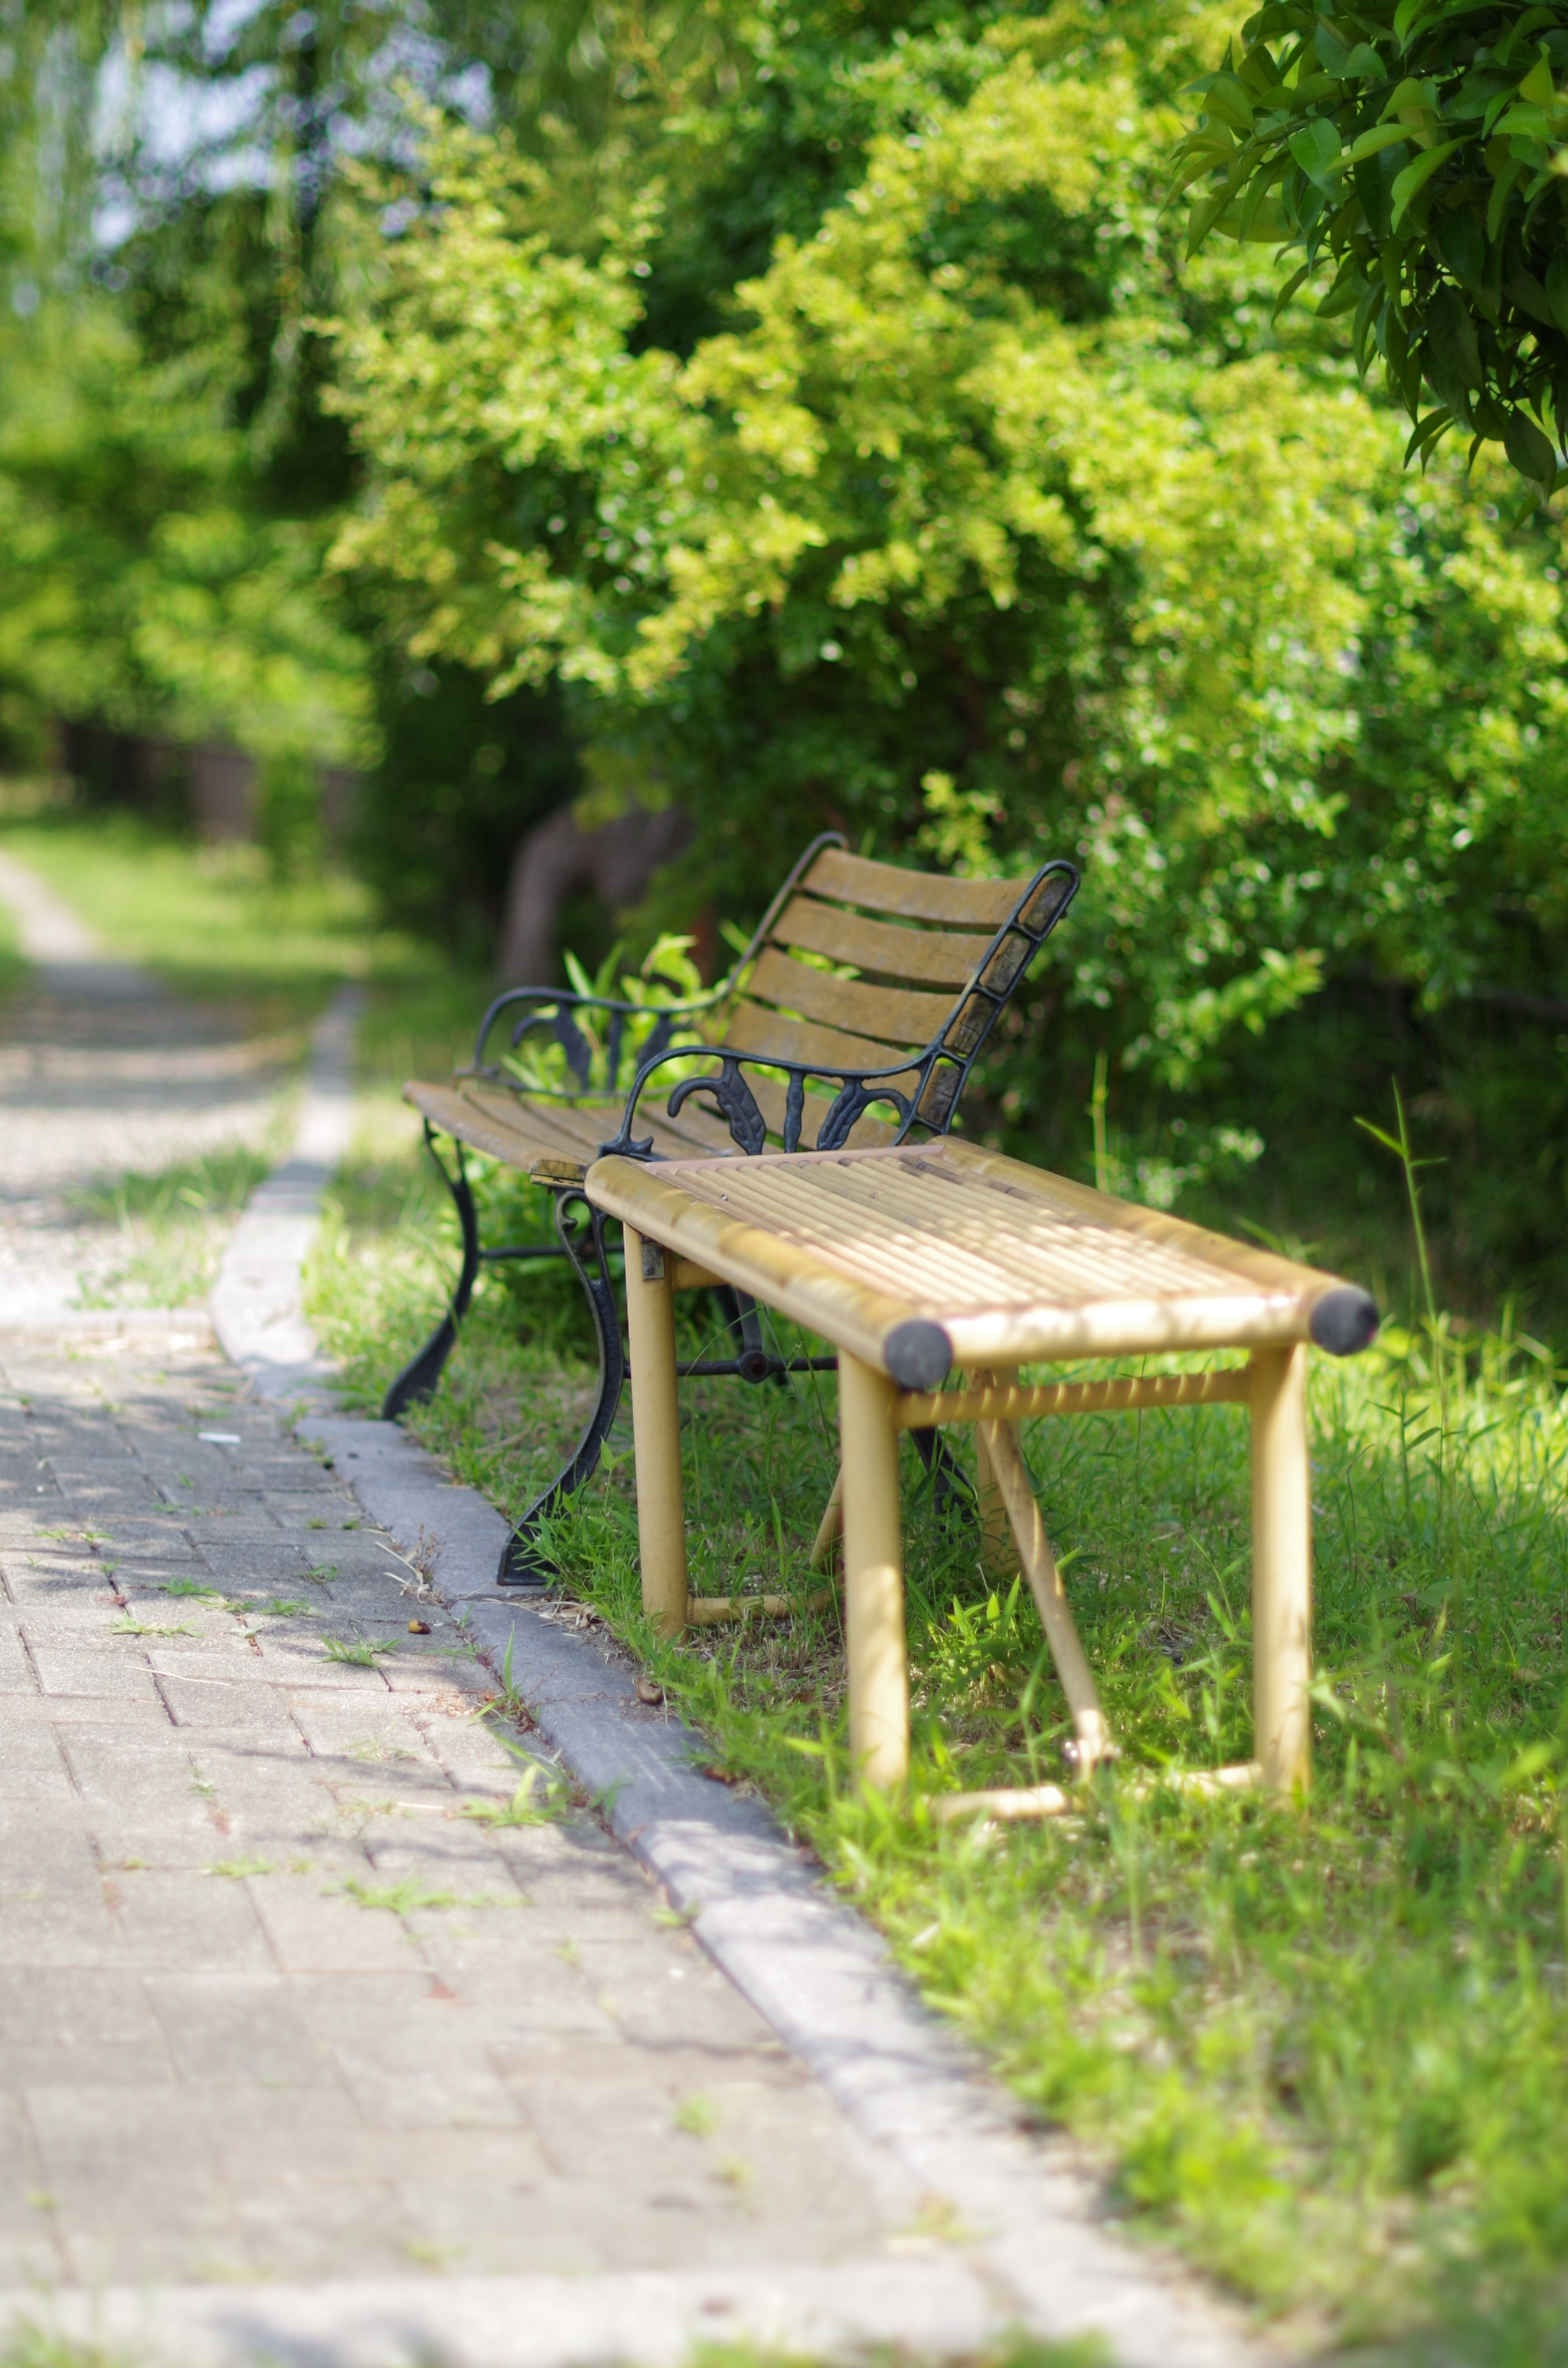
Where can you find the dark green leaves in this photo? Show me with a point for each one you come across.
(1421, 151)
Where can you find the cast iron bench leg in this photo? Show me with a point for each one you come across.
(417, 1380)
(524, 1561)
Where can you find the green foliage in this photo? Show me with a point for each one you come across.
(141, 591)
(1419, 149)
(979, 532)
(667, 979)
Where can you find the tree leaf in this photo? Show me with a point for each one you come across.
(1451, 356)
(1557, 290)
(1385, 135)
(1501, 185)
(1537, 86)
(1463, 245)
(1362, 63)
(1415, 177)
(1528, 449)
(1316, 150)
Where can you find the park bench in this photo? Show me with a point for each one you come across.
(915, 1260)
(854, 1017)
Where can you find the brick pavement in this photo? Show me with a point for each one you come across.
(273, 2005)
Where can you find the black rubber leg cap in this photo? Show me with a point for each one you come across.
(919, 1354)
(1345, 1321)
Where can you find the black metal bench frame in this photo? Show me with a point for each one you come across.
(940, 1073)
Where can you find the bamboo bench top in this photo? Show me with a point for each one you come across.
(923, 1257)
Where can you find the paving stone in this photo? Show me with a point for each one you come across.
(237, 2027)
(182, 1921)
(246, 2074)
(209, 1703)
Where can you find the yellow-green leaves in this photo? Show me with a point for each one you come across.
(926, 542)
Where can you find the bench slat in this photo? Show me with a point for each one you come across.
(557, 1139)
(768, 1036)
(900, 1015)
(932, 956)
(916, 895)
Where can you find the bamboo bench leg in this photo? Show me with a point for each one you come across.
(873, 1576)
(998, 1557)
(1281, 1568)
(1012, 1480)
(655, 1426)
(830, 1528)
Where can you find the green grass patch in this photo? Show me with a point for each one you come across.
(171, 1224)
(214, 923)
(15, 969)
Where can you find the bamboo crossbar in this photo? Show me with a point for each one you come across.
(919, 1409)
(711, 1611)
(1009, 1805)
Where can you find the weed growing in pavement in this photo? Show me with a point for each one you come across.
(407, 1897)
(237, 1869)
(697, 2115)
(539, 1800)
(360, 1653)
(132, 1627)
(25, 2344)
(376, 1748)
(397, 1899)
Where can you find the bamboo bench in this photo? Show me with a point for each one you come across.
(855, 1016)
(915, 1260)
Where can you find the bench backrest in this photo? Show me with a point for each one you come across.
(934, 959)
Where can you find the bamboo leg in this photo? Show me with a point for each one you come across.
(1281, 1568)
(998, 1558)
(656, 1424)
(830, 1528)
(1089, 1726)
(873, 1576)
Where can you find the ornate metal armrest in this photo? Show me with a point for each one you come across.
(552, 1009)
(930, 1105)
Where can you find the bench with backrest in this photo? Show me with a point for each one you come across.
(854, 1017)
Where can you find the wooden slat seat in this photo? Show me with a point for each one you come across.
(554, 1142)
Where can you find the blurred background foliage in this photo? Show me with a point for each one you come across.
(804, 411)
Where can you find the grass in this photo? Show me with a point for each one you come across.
(213, 923)
(172, 1224)
(1323, 2048)
(360, 1653)
(13, 966)
(538, 1801)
